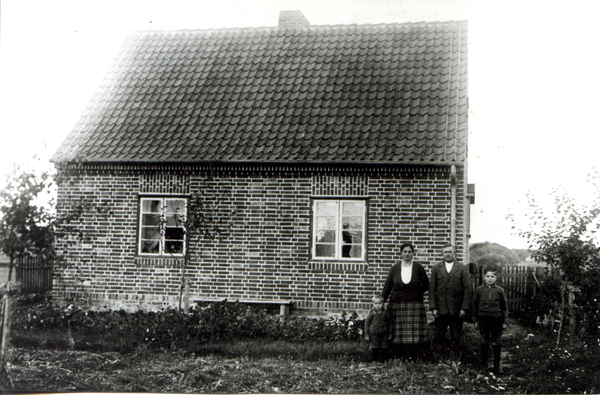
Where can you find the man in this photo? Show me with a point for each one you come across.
(449, 299)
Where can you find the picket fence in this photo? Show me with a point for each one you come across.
(34, 273)
(519, 283)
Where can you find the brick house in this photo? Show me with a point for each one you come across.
(332, 144)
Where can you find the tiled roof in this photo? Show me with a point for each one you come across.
(353, 93)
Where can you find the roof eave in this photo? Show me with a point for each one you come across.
(460, 163)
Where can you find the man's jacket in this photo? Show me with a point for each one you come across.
(450, 292)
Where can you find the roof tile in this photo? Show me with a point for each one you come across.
(380, 93)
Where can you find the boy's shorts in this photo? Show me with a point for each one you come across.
(379, 341)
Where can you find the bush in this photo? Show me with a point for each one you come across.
(542, 303)
(547, 300)
(41, 323)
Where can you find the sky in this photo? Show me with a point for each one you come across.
(534, 85)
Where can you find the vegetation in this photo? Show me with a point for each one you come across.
(232, 348)
(567, 242)
(70, 327)
(209, 217)
(24, 221)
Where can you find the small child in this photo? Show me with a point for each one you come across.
(490, 311)
(379, 329)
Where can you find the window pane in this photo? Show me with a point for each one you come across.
(174, 247)
(150, 246)
(175, 206)
(353, 208)
(150, 219)
(346, 250)
(325, 250)
(150, 233)
(326, 236)
(150, 206)
(174, 233)
(347, 237)
(327, 209)
(174, 220)
(356, 236)
(326, 223)
(355, 251)
(352, 222)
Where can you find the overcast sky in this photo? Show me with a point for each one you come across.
(534, 85)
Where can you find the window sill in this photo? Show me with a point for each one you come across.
(343, 266)
(159, 261)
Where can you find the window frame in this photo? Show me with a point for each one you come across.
(339, 230)
(162, 223)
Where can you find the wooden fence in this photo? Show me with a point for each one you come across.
(519, 283)
(34, 273)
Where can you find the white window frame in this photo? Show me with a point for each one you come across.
(339, 242)
(161, 225)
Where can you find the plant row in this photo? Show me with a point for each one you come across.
(169, 328)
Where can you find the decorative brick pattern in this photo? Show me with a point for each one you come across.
(266, 252)
(165, 183)
(159, 261)
(339, 185)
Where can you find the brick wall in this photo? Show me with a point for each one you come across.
(265, 254)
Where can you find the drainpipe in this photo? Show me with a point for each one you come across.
(453, 205)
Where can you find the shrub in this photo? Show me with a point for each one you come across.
(168, 328)
(542, 303)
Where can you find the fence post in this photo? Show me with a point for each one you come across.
(6, 302)
(5, 379)
(530, 286)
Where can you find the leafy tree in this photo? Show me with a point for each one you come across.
(567, 241)
(25, 223)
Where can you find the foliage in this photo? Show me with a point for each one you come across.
(29, 224)
(24, 224)
(541, 305)
(567, 242)
(209, 215)
(167, 329)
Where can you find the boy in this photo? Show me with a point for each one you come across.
(378, 329)
(490, 311)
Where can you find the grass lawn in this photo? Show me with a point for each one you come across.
(183, 372)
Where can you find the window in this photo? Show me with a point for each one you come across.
(339, 229)
(161, 226)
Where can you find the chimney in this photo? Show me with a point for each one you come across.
(292, 20)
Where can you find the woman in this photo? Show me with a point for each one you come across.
(405, 285)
